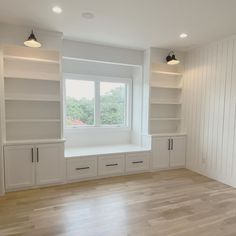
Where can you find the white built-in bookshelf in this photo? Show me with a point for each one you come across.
(32, 93)
(165, 99)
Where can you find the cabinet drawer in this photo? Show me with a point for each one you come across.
(81, 168)
(111, 165)
(136, 162)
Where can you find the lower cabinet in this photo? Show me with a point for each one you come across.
(33, 165)
(168, 152)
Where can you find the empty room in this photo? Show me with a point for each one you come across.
(117, 118)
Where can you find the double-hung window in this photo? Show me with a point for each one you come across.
(95, 101)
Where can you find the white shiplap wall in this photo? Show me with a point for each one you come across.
(209, 110)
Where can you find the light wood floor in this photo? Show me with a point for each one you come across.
(176, 202)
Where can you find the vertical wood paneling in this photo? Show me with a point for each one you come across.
(209, 110)
(2, 127)
(233, 159)
(194, 97)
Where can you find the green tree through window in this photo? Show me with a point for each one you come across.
(112, 105)
(80, 112)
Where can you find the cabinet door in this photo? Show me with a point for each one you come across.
(160, 153)
(19, 167)
(50, 164)
(177, 153)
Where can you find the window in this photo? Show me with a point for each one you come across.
(97, 101)
(79, 102)
(112, 103)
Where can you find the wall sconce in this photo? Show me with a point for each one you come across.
(32, 41)
(171, 59)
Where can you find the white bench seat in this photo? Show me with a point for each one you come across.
(102, 150)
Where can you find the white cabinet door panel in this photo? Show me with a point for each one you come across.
(50, 164)
(177, 154)
(160, 153)
(19, 167)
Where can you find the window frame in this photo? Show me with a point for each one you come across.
(97, 80)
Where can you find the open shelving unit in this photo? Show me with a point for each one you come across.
(32, 94)
(165, 100)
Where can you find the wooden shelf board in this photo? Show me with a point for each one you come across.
(40, 77)
(165, 87)
(167, 134)
(166, 72)
(33, 141)
(156, 102)
(165, 119)
(31, 120)
(32, 59)
(11, 98)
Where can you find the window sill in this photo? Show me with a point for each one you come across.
(95, 128)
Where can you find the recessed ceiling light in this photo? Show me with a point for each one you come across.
(88, 15)
(57, 10)
(183, 35)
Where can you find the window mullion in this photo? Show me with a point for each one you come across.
(97, 103)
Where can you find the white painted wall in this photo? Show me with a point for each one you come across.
(158, 56)
(94, 52)
(96, 68)
(137, 106)
(209, 110)
(86, 137)
(146, 91)
(16, 35)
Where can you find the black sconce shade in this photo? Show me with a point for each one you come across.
(32, 41)
(171, 59)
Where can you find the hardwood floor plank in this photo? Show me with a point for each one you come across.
(166, 203)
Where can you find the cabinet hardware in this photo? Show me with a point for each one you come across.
(137, 162)
(169, 144)
(82, 168)
(112, 164)
(37, 155)
(172, 144)
(32, 155)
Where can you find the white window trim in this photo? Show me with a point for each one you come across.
(97, 80)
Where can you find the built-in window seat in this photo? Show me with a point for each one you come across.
(104, 161)
(103, 150)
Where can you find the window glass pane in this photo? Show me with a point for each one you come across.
(79, 102)
(112, 103)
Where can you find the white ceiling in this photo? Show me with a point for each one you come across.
(129, 23)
